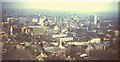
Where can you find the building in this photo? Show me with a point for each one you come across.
(9, 19)
(93, 19)
(95, 40)
(11, 30)
(22, 20)
(29, 20)
(62, 39)
(77, 43)
(116, 33)
(41, 21)
(58, 35)
(37, 30)
(56, 28)
(34, 20)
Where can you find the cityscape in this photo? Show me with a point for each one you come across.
(29, 33)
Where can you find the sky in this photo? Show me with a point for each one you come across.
(66, 5)
(60, 0)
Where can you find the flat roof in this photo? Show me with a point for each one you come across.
(37, 26)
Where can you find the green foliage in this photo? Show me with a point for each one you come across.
(47, 53)
(31, 49)
(23, 37)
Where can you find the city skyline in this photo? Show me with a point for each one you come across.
(86, 7)
(59, 30)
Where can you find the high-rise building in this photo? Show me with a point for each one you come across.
(93, 19)
(41, 21)
(34, 20)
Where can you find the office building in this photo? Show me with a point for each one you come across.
(34, 20)
(41, 21)
(93, 19)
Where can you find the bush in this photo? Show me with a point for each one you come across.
(47, 53)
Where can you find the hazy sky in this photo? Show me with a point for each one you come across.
(74, 5)
(60, 0)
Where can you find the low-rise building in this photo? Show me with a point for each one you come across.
(36, 30)
(58, 35)
(62, 39)
(95, 40)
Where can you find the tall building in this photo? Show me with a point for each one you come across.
(93, 19)
(34, 20)
(41, 21)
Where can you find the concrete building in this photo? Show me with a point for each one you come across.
(34, 20)
(77, 43)
(25, 29)
(11, 30)
(41, 21)
(93, 19)
(116, 33)
(37, 30)
(9, 18)
(22, 20)
(95, 40)
(58, 35)
(56, 28)
(62, 39)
